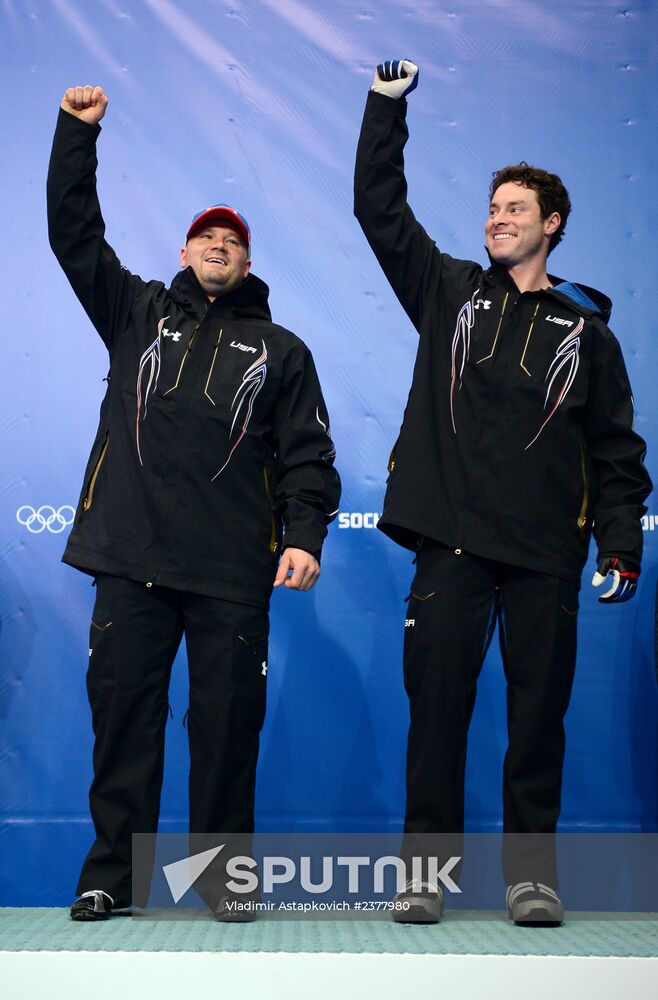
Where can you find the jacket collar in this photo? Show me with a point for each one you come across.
(573, 295)
(249, 300)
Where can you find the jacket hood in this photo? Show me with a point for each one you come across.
(248, 300)
(587, 301)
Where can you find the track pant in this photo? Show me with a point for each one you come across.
(134, 637)
(455, 599)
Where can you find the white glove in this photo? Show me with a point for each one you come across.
(395, 78)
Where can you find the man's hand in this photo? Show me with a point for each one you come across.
(305, 570)
(396, 78)
(86, 103)
(622, 577)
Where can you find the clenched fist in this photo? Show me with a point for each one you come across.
(86, 103)
(395, 78)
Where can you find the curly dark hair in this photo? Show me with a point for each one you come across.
(551, 192)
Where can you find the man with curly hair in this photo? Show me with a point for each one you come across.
(517, 444)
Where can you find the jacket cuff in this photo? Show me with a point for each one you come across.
(303, 540)
(75, 126)
(628, 557)
(389, 106)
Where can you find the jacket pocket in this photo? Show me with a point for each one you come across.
(89, 495)
(390, 465)
(582, 517)
(274, 534)
(206, 391)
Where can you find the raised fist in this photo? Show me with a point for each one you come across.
(395, 78)
(86, 103)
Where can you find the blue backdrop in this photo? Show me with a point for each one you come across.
(258, 103)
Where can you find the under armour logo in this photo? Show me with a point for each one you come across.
(174, 336)
(263, 668)
(485, 303)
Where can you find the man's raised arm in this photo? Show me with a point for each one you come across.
(75, 225)
(401, 245)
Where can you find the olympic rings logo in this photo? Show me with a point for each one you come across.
(45, 518)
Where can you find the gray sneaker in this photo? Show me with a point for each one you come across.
(533, 904)
(418, 903)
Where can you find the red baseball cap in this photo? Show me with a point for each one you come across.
(221, 213)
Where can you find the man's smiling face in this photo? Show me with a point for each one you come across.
(515, 231)
(218, 257)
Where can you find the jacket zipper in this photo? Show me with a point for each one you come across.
(582, 517)
(88, 500)
(273, 546)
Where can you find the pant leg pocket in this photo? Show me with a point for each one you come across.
(101, 672)
(250, 650)
(425, 605)
(418, 651)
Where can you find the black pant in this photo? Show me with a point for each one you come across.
(135, 633)
(455, 599)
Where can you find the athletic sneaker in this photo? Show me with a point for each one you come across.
(418, 903)
(533, 904)
(97, 905)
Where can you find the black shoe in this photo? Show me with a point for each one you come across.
(533, 904)
(418, 903)
(97, 905)
(235, 910)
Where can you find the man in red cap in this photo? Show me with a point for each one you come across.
(216, 273)
(210, 481)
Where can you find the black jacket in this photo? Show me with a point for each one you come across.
(213, 432)
(518, 436)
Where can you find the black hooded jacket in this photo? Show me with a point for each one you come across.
(517, 437)
(213, 434)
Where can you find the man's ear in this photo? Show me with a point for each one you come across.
(247, 269)
(552, 223)
(183, 256)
